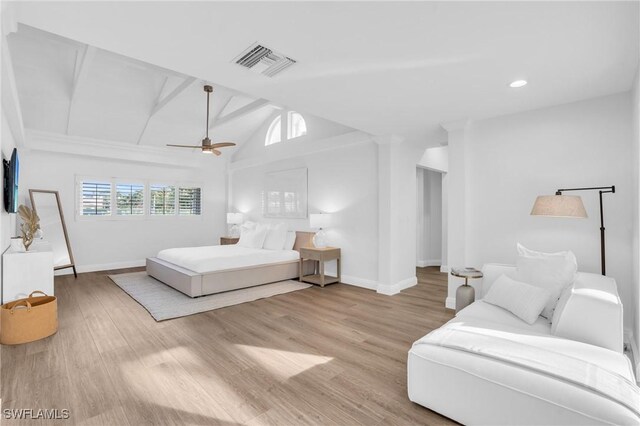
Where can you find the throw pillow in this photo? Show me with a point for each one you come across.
(523, 300)
(551, 271)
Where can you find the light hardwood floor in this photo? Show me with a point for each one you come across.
(317, 356)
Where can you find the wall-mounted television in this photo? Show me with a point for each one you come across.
(10, 182)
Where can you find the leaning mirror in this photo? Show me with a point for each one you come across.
(54, 230)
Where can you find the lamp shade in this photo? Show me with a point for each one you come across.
(319, 220)
(234, 218)
(559, 206)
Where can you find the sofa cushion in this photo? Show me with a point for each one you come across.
(483, 311)
(551, 271)
(523, 300)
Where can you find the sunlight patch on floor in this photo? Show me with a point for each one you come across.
(283, 364)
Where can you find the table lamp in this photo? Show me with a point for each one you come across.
(234, 219)
(560, 205)
(320, 221)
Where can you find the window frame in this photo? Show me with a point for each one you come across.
(114, 188)
(146, 200)
(276, 120)
(284, 118)
(290, 114)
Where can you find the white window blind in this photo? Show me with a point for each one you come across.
(130, 199)
(162, 200)
(95, 198)
(189, 201)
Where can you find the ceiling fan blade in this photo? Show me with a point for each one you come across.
(216, 152)
(222, 144)
(185, 146)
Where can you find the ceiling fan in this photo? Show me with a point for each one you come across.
(207, 147)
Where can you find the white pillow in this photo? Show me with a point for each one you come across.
(557, 312)
(276, 236)
(523, 300)
(290, 241)
(551, 271)
(253, 238)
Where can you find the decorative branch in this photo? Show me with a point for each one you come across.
(30, 224)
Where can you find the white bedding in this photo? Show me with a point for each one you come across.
(220, 258)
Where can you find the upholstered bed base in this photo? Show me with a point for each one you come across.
(196, 284)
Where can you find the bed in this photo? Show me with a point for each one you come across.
(198, 271)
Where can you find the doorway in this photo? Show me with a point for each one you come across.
(431, 203)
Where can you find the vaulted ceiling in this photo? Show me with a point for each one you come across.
(71, 88)
(381, 67)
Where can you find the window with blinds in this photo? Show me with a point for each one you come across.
(129, 199)
(95, 198)
(189, 201)
(162, 200)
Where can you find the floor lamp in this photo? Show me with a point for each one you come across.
(571, 206)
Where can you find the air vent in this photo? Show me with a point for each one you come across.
(263, 60)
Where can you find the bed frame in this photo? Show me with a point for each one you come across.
(196, 284)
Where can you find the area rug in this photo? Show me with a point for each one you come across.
(164, 302)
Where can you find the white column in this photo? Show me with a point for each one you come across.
(395, 270)
(456, 208)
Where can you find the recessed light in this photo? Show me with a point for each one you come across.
(518, 83)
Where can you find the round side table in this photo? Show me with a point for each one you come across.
(465, 294)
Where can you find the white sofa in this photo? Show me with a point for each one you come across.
(588, 381)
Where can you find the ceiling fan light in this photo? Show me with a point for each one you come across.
(207, 151)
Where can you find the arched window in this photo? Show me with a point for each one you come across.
(297, 126)
(274, 134)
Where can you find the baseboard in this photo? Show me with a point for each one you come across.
(391, 289)
(633, 351)
(359, 282)
(428, 262)
(444, 268)
(450, 303)
(103, 267)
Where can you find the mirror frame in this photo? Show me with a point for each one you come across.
(72, 263)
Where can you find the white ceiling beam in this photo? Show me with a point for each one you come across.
(213, 119)
(171, 96)
(162, 102)
(79, 78)
(241, 112)
(144, 129)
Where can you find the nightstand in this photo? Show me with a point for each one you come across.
(320, 255)
(225, 241)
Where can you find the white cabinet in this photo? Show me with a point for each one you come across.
(24, 272)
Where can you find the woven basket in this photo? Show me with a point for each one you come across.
(29, 319)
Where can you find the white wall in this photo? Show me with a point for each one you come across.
(342, 181)
(317, 129)
(635, 235)
(520, 156)
(7, 221)
(429, 218)
(108, 244)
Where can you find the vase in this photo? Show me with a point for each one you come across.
(17, 245)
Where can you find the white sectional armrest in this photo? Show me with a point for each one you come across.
(591, 312)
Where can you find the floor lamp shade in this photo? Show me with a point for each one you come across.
(559, 206)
